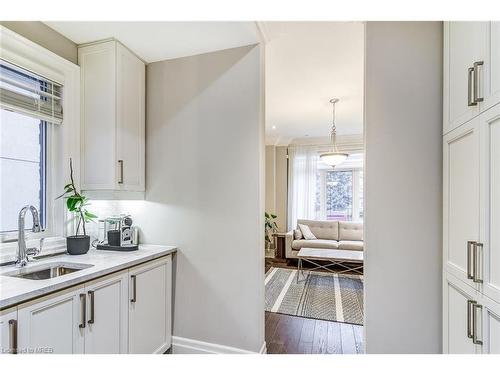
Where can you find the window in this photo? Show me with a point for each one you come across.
(30, 104)
(339, 194)
(23, 145)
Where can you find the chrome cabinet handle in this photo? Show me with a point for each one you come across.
(134, 288)
(476, 262)
(83, 304)
(470, 246)
(470, 101)
(91, 296)
(120, 181)
(475, 340)
(477, 64)
(470, 305)
(13, 336)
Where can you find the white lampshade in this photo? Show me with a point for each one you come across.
(333, 158)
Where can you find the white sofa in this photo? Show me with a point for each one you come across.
(342, 235)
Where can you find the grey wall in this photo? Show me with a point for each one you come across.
(276, 184)
(403, 224)
(43, 35)
(205, 191)
(281, 186)
(270, 179)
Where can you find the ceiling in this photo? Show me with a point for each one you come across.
(156, 41)
(307, 64)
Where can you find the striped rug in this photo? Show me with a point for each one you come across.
(321, 295)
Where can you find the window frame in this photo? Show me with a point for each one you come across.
(355, 191)
(63, 141)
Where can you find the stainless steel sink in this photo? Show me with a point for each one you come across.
(47, 271)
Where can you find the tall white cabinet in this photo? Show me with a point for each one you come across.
(471, 202)
(112, 118)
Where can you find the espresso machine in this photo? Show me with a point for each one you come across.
(117, 233)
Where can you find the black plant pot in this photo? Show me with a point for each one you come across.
(77, 245)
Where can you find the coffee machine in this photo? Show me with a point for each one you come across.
(118, 233)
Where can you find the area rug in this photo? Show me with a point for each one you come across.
(320, 295)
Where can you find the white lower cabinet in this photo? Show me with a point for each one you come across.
(52, 324)
(107, 315)
(150, 323)
(125, 312)
(471, 321)
(490, 326)
(457, 317)
(8, 331)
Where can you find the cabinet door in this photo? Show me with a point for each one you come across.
(8, 331)
(130, 120)
(490, 324)
(150, 307)
(52, 324)
(457, 317)
(98, 87)
(464, 44)
(107, 315)
(492, 67)
(461, 201)
(490, 177)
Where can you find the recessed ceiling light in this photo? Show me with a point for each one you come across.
(274, 127)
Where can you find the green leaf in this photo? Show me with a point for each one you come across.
(90, 215)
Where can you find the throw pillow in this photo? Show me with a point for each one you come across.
(306, 232)
(297, 234)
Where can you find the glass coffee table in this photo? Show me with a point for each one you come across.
(349, 260)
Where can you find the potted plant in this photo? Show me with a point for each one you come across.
(270, 228)
(77, 203)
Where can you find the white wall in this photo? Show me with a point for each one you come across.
(205, 191)
(403, 122)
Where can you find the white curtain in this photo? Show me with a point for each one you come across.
(302, 186)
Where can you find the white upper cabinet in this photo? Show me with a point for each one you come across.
(465, 48)
(492, 68)
(471, 70)
(113, 118)
(489, 256)
(461, 203)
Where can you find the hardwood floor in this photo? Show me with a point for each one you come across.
(286, 334)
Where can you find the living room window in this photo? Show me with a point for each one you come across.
(339, 194)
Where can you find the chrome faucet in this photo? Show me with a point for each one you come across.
(22, 251)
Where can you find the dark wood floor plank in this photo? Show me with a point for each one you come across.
(358, 337)
(348, 341)
(286, 334)
(334, 338)
(320, 338)
(307, 333)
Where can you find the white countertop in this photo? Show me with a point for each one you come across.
(15, 290)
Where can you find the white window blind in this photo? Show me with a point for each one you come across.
(24, 92)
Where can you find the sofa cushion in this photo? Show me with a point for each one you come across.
(297, 234)
(351, 245)
(350, 231)
(306, 232)
(316, 244)
(323, 229)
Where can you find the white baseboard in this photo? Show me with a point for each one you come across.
(182, 345)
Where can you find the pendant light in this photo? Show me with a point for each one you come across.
(334, 157)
